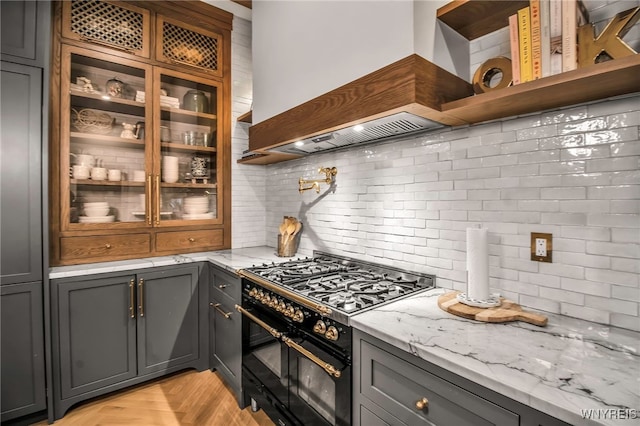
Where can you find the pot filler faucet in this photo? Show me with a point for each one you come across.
(329, 172)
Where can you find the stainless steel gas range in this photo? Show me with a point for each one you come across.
(296, 334)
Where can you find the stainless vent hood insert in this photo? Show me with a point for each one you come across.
(400, 124)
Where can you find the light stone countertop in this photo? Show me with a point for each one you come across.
(231, 260)
(560, 369)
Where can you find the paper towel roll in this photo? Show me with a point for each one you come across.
(477, 264)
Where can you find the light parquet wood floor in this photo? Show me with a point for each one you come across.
(185, 399)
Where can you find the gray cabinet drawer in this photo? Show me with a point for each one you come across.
(225, 286)
(396, 386)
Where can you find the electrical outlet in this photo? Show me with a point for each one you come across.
(541, 247)
(541, 250)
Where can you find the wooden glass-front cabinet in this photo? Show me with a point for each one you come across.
(142, 150)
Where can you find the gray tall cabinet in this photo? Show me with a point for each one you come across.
(24, 70)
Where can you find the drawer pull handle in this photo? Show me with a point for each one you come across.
(227, 315)
(107, 246)
(422, 404)
(192, 240)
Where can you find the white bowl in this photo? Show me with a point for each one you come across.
(97, 204)
(97, 219)
(196, 200)
(196, 216)
(196, 209)
(96, 211)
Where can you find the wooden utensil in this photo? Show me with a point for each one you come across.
(507, 311)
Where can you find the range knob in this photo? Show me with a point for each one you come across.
(281, 307)
(289, 311)
(298, 316)
(332, 333)
(273, 303)
(266, 299)
(320, 327)
(259, 295)
(253, 292)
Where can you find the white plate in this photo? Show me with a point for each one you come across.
(210, 215)
(142, 213)
(96, 219)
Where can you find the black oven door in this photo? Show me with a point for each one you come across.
(320, 380)
(291, 378)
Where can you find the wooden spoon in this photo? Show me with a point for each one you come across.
(298, 228)
(290, 229)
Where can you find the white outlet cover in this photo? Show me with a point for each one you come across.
(541, 247)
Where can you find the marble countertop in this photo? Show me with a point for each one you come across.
(560, 369)
(231, 260)
(568, 366)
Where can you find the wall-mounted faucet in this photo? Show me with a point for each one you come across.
(329, 172)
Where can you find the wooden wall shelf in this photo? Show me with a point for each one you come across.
(476, 18)
(599, 81)
(246, 117)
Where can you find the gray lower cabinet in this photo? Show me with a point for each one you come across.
(114, 330)
(225, 327)
(392, 387)
(22, 375)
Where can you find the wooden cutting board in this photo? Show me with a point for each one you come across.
(507, 311)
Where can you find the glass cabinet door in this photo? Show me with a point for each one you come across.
(187, 133)
(105, 159)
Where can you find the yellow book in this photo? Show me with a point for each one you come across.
(524, 35)
(536, 39)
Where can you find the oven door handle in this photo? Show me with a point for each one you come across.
(330, 369)
(274, 332)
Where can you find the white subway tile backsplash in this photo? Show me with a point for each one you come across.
(562, 168)
(629, 322)
(612, 164)
(631, 177)
(586, 287)
(562, 296)
(569, 193)
(614, 249)
(614, 220)
(622, 235)
(612, 305)
(618, 192)
(585, 313)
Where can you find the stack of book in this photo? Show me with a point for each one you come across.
(543, 38)
(165, 101)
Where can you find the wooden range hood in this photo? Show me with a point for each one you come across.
(412, 85)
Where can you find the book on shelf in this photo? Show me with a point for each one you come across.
(574, 14)
(536, 40)
(555, 36)
(545, 38)
(524, 36)
(514, 43)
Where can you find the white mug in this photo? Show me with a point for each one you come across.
(98, 173)
(114, 175)
(81, 172)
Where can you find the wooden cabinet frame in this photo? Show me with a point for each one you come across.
(140, 239)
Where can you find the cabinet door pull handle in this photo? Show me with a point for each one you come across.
(148, 194)
(222, 286)
(107, 246)
(421, 404)
(157, 200)
(192, 240)
(216, 306)
(141, 297)
(132, 295)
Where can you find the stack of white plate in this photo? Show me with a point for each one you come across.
(196, 207)
(169, 169)
(96, 212)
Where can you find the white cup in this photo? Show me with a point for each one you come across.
(98, 173)
(170, 162)
(114, 175)
(138, 175)
(81, 172)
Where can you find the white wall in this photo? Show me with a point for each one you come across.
(248, 183)
(307, 48)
